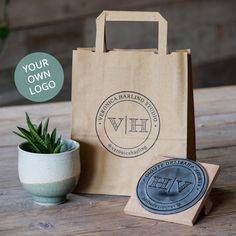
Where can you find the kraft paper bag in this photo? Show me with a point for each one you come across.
(128, 106)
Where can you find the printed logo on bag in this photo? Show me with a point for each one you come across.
(127, 124)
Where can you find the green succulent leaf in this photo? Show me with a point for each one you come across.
(39, 129)
(35, 147)
(57, 149)
(41, 147)
(45, 128)
(22, 136)
(53, 136)
(33, 132)
(24, 132)
(58, 141)
(48, 142)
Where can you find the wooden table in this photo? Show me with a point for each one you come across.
(215, 110)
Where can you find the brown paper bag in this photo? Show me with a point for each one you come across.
(129, 105)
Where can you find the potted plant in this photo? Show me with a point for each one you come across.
(49, 167)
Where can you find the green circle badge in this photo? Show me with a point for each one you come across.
(39, 77)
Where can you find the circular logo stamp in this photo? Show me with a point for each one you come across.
(39, 77)
(127, 124)
(172, 186)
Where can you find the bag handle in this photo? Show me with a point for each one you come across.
(130, 16)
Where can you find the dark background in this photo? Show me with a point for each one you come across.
(207, 27)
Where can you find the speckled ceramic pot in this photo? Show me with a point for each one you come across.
(49, 177)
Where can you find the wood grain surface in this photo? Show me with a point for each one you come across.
(103, 215)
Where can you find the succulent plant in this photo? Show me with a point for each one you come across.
(38, 139)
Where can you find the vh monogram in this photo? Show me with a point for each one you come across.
(129, 124)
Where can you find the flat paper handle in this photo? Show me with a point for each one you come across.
(130, 16)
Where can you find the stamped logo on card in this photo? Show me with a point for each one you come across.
(127, 124)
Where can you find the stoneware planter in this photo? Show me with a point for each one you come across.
(49, 177)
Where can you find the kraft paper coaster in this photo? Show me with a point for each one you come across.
(186, 217)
